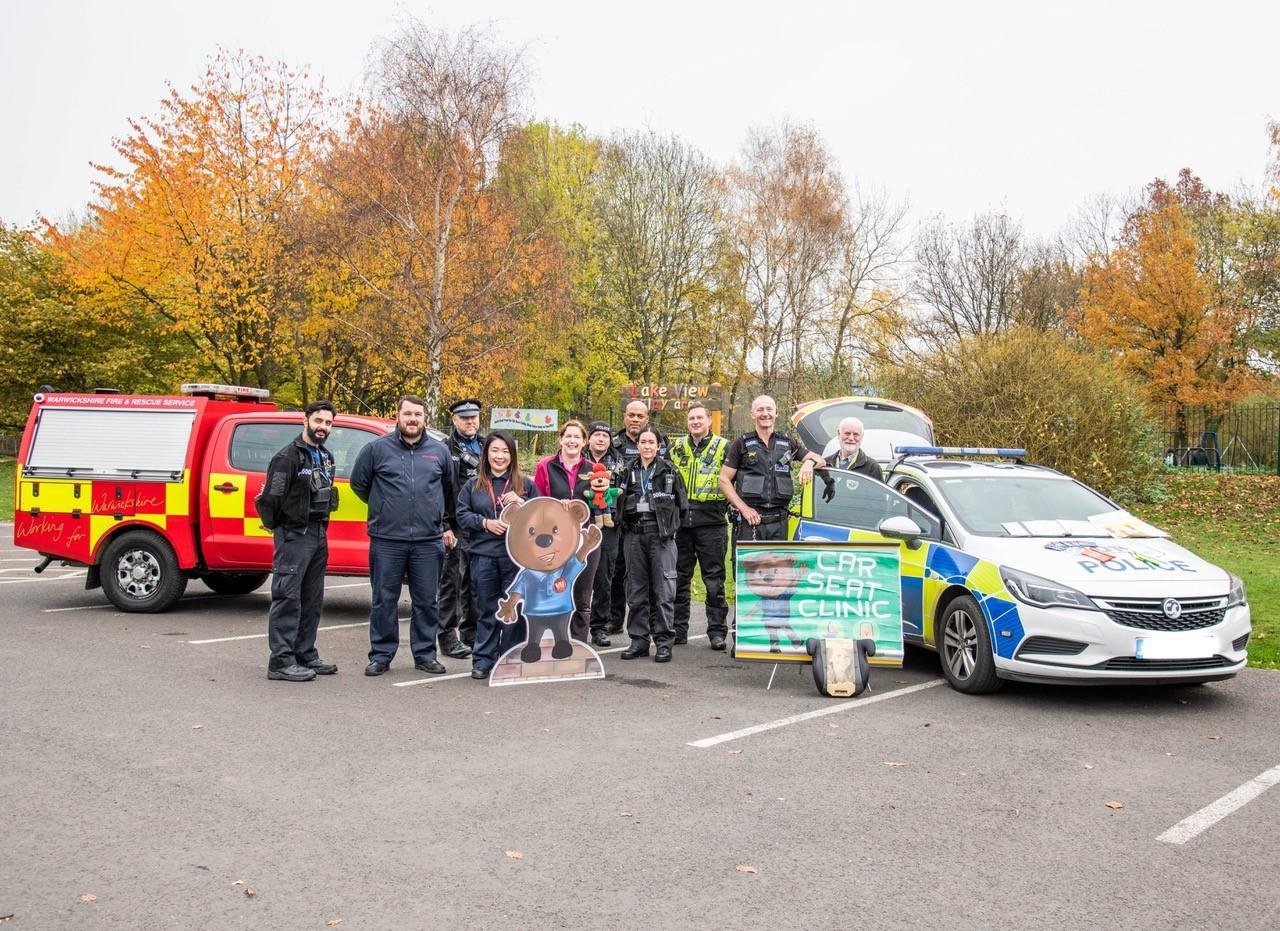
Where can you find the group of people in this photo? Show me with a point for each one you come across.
(435, 519)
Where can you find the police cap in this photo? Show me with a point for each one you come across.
(467, 407)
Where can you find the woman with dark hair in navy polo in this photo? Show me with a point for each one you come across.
(497, 484)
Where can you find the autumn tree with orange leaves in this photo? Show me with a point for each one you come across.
(1149, 305)
(199, 230)
(415, 223)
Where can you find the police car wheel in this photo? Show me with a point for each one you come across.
(234, 583)
(140, 573)
(965, 648)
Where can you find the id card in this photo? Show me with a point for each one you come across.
(642, 506)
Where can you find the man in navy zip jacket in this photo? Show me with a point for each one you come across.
(406, 478)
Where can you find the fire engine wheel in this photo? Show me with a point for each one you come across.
(140, 573)
(234, 583)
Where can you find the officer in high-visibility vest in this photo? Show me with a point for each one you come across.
(704, 533)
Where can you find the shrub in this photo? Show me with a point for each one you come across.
(1072, 409)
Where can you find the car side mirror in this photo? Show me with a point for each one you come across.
(901, 528)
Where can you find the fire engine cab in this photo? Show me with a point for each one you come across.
(150, 491)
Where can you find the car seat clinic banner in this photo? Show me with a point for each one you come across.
(789, 592)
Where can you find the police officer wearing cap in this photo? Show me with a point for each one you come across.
(457, 601)
(704, 534)
(600, 449)
(294, 505)
(635, 417)
(756, 476)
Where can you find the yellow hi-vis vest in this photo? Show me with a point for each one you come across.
(701, 472)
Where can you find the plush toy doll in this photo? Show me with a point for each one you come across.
(601, 494)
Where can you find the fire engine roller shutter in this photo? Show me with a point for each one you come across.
(130, 443)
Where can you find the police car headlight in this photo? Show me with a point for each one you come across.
(1041, 592)
(1237, 595)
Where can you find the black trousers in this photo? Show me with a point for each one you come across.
(297, 594)
(602, 589)
(618, 583)
(651, 585)
(705, 548)
(457, 599)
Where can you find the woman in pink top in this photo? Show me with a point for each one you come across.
(566, 476)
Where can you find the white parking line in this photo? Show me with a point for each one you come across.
(44, 578)
(809, 715)
(263, 636)
(467, 675)
(1193, 825)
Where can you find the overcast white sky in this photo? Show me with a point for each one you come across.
(958, 106)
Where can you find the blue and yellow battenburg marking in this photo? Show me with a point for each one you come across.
(926, 573)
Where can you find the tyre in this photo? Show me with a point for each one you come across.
(140, 573)
(964, 646)
(234, 583)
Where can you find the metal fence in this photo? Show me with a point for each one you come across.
(9, 445)
(1245, 438)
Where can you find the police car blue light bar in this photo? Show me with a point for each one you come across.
(960, 451)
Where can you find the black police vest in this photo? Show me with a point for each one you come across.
(466, 462)
(763, 479)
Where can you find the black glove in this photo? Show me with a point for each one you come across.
(829, 492)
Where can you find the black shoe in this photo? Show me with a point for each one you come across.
(430, 665)
(452, 646)
(294, 673)
(635, 651)
(681, 639)
(322, 668)
(663, 655)
(376, 669)
(479, 673)
(717, 643)
(613, 629)
(600, 639)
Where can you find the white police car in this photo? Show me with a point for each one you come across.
(1016, 571)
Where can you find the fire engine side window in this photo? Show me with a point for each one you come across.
(345, 443)
(253, 444)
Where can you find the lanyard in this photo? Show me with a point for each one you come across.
(644, 479)
(493, 495)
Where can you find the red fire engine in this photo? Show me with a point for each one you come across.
(151, 491)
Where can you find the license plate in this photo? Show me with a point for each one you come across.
(1174, 646)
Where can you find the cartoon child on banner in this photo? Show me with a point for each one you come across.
(547, 540)
(773, 578)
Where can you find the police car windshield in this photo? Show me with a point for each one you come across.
(1011, 506)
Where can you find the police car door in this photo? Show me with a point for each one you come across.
(851, 508)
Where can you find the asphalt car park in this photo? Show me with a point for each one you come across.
(153, 776)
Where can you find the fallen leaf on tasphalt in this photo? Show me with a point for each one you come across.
(1088, 766)
(6, 918)
(513, 854)
(197, 727)
(248, 892)
(894, 763)
(833, 725)
(1216, 737)
(743, 868)
(88, 897)
(333, 921)
(237, 882)
(733, 752)
(1116, 805)
(144, 646)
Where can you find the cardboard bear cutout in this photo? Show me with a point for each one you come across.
(548, 543)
